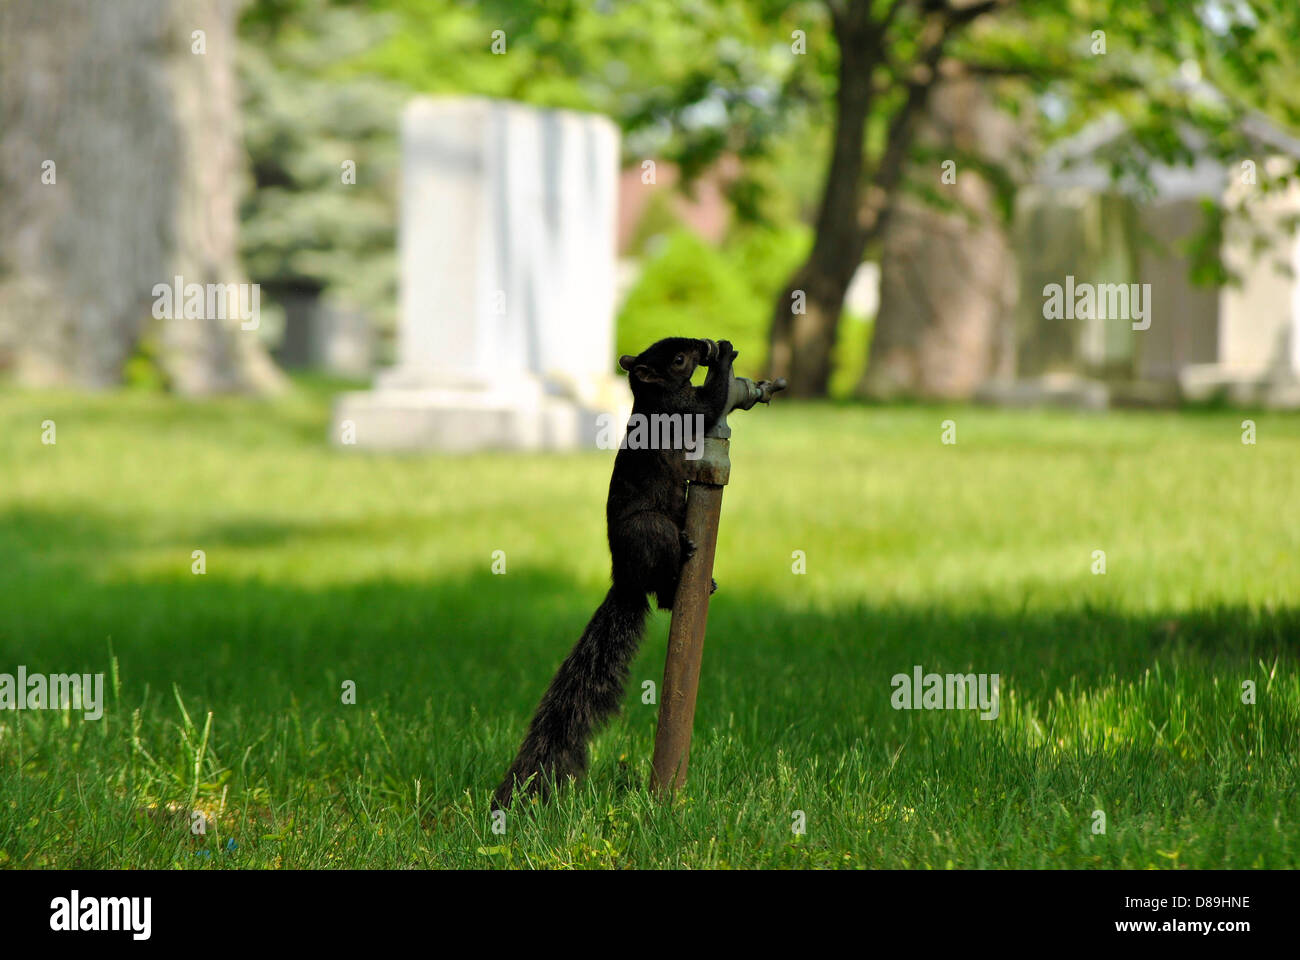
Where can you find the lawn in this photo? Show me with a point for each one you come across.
(1120, 693)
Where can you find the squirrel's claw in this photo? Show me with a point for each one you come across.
(688, 547)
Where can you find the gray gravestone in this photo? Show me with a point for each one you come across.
(507, 246)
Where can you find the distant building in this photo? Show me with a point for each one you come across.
(643, 205)
(1085, 241)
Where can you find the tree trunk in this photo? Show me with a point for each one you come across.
(947, 278)
(805, 317)
(142, 142)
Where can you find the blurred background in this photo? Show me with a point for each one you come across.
(868, 198)
(264, 265)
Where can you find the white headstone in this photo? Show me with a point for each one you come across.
(507, 251)
(1259, 319)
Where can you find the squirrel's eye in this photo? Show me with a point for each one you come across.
(681, 358)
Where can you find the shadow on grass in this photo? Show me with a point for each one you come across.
(491, 642)
(792, 699)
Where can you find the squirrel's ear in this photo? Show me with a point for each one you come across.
(627, 361)
(646, 374)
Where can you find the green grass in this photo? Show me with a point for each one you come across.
(1120, 693)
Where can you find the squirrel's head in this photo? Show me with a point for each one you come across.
(667, 365)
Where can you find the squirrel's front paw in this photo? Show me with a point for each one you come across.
(726, 352)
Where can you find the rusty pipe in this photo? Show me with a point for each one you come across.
(690, 617)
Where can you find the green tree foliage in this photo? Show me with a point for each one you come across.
(788, 88)
(687, 82)
(312, 121)
(688, 288)
(691, 288)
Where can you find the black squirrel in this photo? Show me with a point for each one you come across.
(645, 516)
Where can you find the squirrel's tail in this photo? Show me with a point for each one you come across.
(586, 691)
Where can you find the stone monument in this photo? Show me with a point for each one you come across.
(507, 266)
